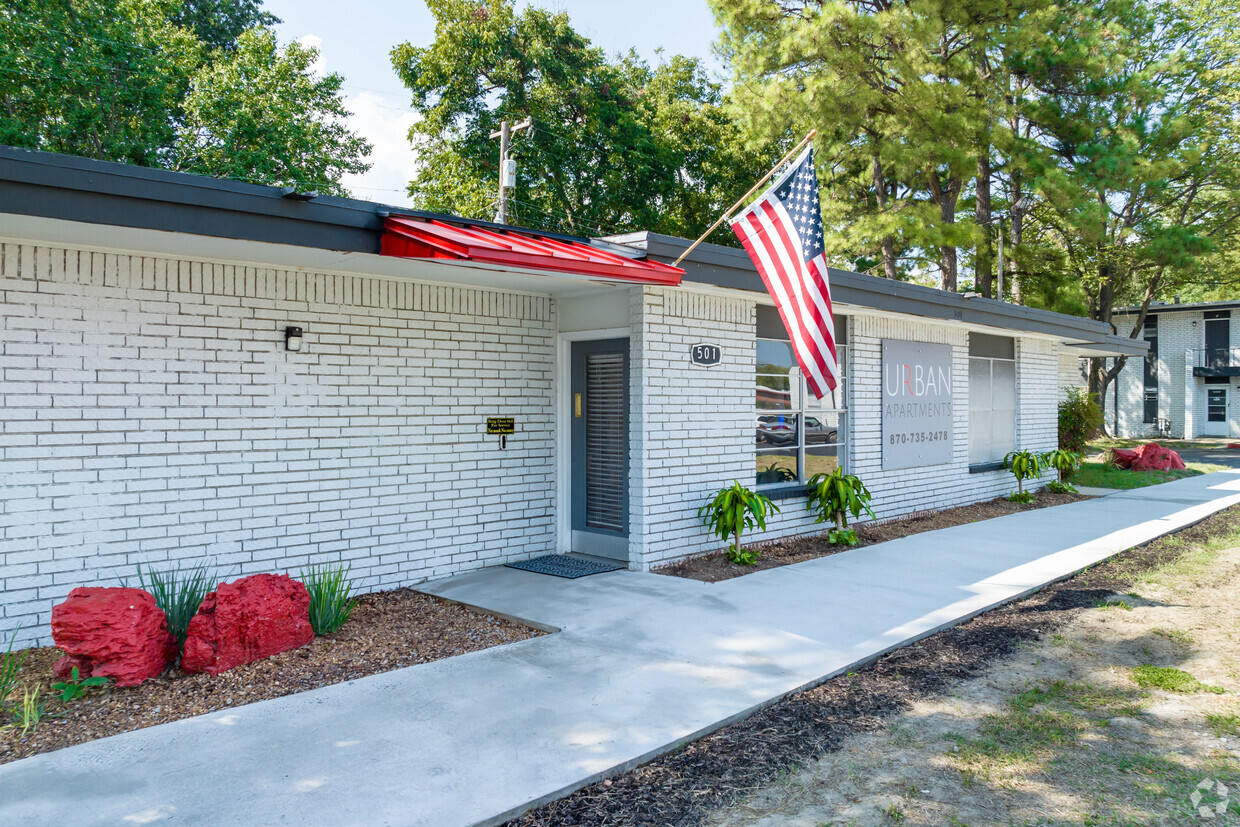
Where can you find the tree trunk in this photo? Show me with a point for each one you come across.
(983, 264)
(946, 198)
(887, 244)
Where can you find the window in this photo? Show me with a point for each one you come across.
(992, 398)
(795, 435)
(1151, 370)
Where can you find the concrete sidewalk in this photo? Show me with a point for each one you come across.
(643, 663)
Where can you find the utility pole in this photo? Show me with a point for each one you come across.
(507, 168)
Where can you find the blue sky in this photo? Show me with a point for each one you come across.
(355, 40)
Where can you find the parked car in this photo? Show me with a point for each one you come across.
(781, 429)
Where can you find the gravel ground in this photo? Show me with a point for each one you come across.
(713, 568)
(687, 786)
(388, 630)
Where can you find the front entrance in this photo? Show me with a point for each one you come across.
(1217, 420)
(599, 402)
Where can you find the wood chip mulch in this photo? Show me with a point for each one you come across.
(682, 788)
(712, 568)
(388, 630)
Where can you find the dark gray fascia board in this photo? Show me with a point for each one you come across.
(731, 268)
(1179, 308)
(51, 185)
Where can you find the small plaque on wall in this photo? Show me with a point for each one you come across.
(706, 355)
(501, 425)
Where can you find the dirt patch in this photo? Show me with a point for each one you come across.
(388, 630)
(715, 567)
(747, 760)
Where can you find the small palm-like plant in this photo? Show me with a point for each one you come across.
(835, 497)
(1024, 465)
(733, 511)
(1065, 463)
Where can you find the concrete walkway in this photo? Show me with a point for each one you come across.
(643, 663)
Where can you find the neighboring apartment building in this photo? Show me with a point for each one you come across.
(1189, 383)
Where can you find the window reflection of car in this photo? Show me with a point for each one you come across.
(777, 429)
(819, 433)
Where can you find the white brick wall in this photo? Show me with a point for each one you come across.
(150, 413)
(692, 428)
(1178, 339)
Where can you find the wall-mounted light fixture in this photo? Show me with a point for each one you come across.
(292, 338)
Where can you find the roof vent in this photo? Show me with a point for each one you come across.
(292, 194)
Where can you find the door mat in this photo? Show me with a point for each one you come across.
(561, 565)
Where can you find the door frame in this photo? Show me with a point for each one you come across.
(563, 425)
(1224, 427)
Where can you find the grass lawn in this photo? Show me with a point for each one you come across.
(1100, 474)
(1107, 443)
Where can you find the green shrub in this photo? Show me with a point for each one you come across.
(1024, 465)
(1056, 487)
(835, 496)
(331, 596)
(179, 593)
(1080, 417)
(732, 511)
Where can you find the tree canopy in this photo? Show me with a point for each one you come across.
(198, 85)
(616, 144)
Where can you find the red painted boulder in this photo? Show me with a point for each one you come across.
(1154, 457)
(1124, 457)
(116, 633)
(247, 620)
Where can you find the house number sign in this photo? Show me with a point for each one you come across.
(706, 355)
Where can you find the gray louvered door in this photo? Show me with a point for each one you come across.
(600, 450)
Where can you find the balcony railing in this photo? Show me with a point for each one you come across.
(1216, 361)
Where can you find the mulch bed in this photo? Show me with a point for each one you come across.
(683, 787)
(715, 567)
(388, 630)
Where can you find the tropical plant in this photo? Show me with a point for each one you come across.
(10, 665)
(331, 596)
(1056, 487)
(1065, 462)
(733, 511)
(178, 593)
(1024, 465)
(73, 688)
(1080, 417)
(775, 473)
(835, 497)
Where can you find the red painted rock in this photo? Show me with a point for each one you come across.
(1123, 457)
(1154, 457)
(112, 633)
(247, 620)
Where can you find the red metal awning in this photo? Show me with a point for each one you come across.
(409, 237)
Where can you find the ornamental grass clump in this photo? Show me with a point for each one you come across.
(178, 593)
(331, 596)
(733, 511)
(835, 497)
(10, 665)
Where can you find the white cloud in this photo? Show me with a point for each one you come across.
(313, 41)
(385, 124)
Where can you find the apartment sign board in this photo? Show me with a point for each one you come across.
(917, 404)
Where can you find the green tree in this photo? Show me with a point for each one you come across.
(171, 84)
(99, 78)
(615, 146)
(259, 114)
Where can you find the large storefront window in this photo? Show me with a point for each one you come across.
(992, 398)
(796, 436)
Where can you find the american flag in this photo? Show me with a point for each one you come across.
(782, 232)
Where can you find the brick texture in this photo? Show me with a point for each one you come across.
(149, 414)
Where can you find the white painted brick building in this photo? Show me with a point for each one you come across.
(153, 413)
(1191, 384)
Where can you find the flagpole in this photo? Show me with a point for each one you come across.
(745, 197)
